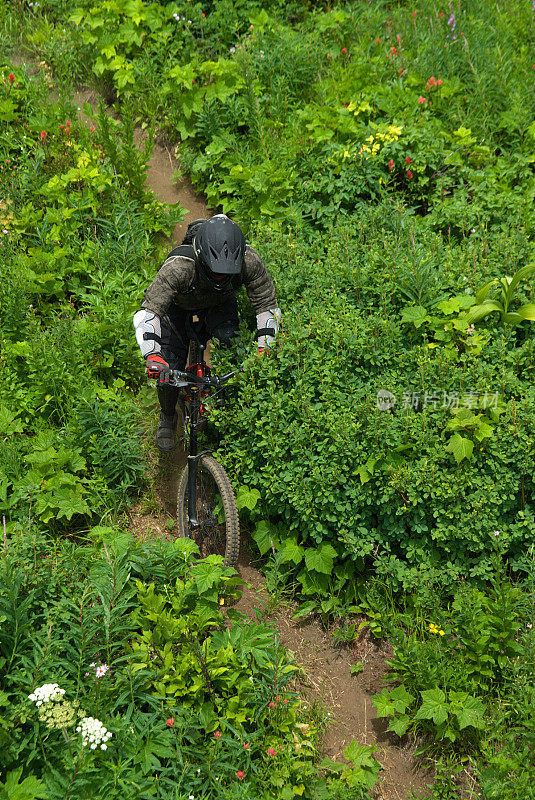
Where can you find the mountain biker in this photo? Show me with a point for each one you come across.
(201, 277)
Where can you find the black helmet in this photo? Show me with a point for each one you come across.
(219, 247)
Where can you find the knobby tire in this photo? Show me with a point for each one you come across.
(213, 537)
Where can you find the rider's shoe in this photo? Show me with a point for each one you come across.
(165, 434)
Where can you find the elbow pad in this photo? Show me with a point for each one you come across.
(148, 332)
(268, 323)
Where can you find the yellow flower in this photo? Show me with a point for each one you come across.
(433, 628)
(441, 632)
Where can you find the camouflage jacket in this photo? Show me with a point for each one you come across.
(179, 284)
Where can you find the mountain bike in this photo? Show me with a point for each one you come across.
(206, 505)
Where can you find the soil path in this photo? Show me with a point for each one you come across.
(346, 699)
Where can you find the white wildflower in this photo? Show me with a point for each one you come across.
(46, 693)
(93, 732)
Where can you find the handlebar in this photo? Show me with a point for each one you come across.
(181, 379)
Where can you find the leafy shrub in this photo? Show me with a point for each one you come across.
(68, 611)
(361, 479)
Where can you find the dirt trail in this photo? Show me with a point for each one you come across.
(345, 698)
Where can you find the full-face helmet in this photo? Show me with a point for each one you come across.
(219, 247)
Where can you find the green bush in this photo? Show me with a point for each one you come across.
(387, 487)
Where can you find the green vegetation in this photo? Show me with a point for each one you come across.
(381, 158)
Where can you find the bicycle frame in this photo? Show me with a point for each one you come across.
(194, 455)
(198, 380)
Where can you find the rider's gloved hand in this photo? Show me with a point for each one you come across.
(158, 368)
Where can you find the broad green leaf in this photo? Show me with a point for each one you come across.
(291, 551)
(527, 311)
(469, 710)
(313, 582)
(478, 312)
(520, 274)
(77, 16)
(320, 559)
(399, 725)
(401, 699)
(460, 447)
(185, 547)
(383, 704)
(433, 706)
(511, 318)
(416, 315)
(483, 431)
(265, 535)
(465, 136)
(31, 787)
(207, 572)
(247, 498)
(481, 295)
(360, 755)
(304, 609)
(332, 766)
(455, 304)
(9, 424)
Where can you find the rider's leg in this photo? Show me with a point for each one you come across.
(175, 352)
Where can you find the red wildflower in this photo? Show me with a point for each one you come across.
(400, 70)
(393, 51)
(441, 14)
(203, 15)
(409, 174)
(43, 135)
(391, 165)
(217, 735)
(272, 704)
(285, 701)
(344, 49)
(329, 55)
(414, 14)
(11, 77)
(378, 41)
(421, 100)
(398, 37)
(246, 745)
(272, 752)
(170, 722)
(408, 159)
(240, 775)
(439, 82)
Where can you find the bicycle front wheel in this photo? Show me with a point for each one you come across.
(219, 526)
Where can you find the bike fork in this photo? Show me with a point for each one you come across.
(192, 492)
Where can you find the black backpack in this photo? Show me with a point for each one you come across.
(185, 248)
